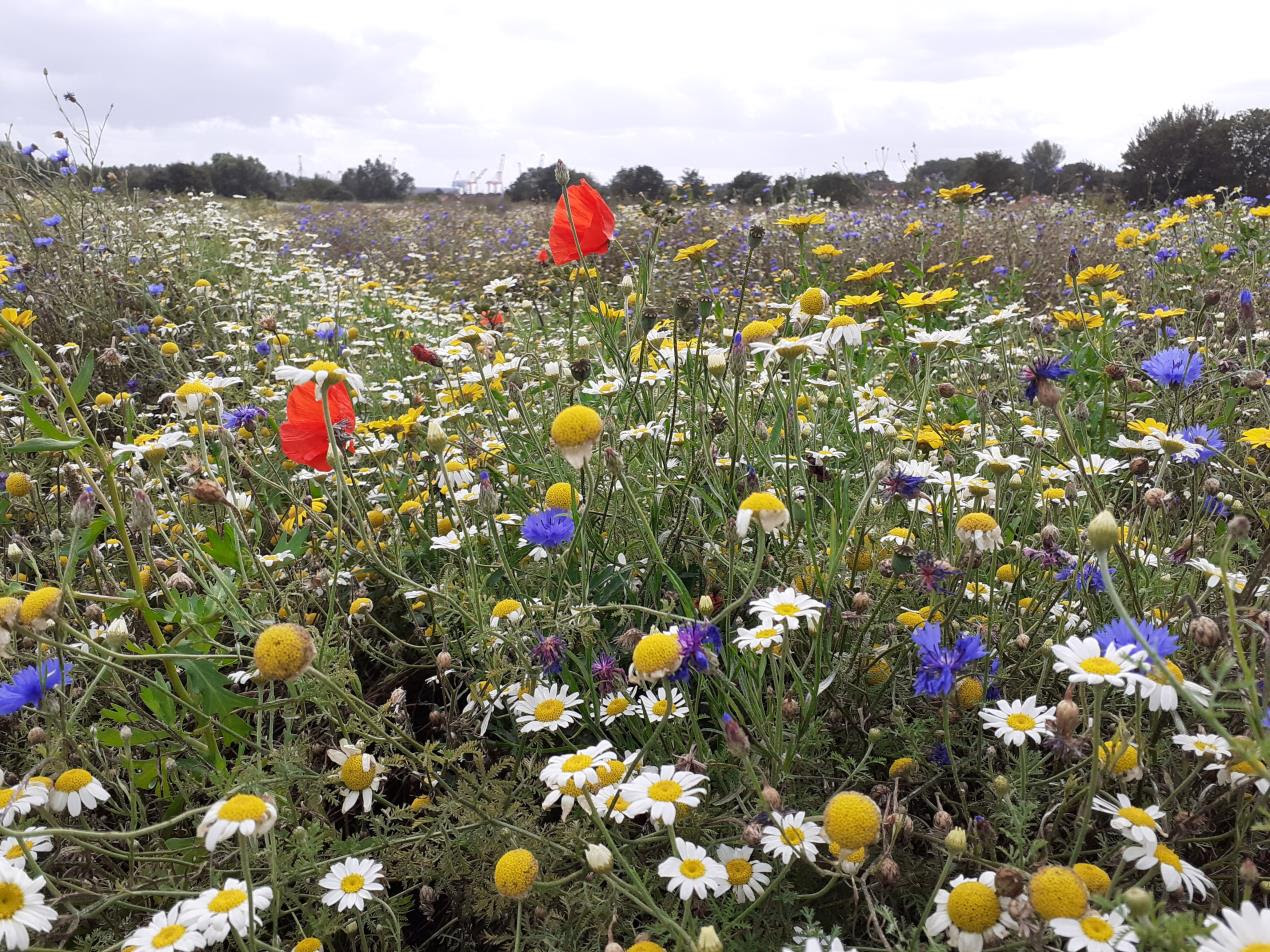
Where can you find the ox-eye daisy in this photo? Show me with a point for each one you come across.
(746, 877)
(662, 792)
(693, 872)
(349, 883)
(1176, 872)
(548, 708)
(788, 607)
(226, 908)
(1140, 824)
(1087, 663)
(791, 836)
(360, 774)
(244, 814)
(1018, 721)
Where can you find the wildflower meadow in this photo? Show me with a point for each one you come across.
(677, 576)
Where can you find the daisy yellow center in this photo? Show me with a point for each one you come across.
(193, 388)
(577, 762)
(1137, 816)
(1256, 947)
(973, 907)
(355, 776)
(665, 791)
(168, 936)
(1021, 722)
(617, 705)
(792, 836)
(739, 871)
(1203, 746)
(332, 370)
(977, 522)
(1242, 767)
(1100, 665)
(242, 807)
(657, 651)
(16, 851)
(352, 883)
(1167, 857)
(1097, 928)
(11, 900)
(1159, 677)
(1171, 445)
(662, 707)
(72, 780)
(549, 710)
(227, 900)
(692, 869)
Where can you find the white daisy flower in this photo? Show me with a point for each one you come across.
(1203, 744)
(548, 708)
(792, 836)
(662, 703)
(615, 705)
(76, 790)
(759, 639)
(361, 775)
(1238, 773)
(693, 872)
(1087, 663)
(1159, 691)
(226, 909)
(662, 791)
(349, 883)
(1176, 872)
(970, 911)
(19, 799)
(788, 607)
(746, 877)
(1097, 932)
(244, 814)
(14, 851)
(1238, 930)
(1140, 824)
(24, 908)
(172, 930)
(579, 766)
(1018, 721)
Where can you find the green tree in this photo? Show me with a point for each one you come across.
(640, 180)
(241, 175)
(1042, 163)
(540, 185)
(1250, 150)
(692, 186)
(837, 186)
(377, 181)
(1180, 153)
(747, 187)
(995, 171)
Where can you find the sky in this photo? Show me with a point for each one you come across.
(442, 88)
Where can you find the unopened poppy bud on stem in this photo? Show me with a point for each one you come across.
(1104, 532)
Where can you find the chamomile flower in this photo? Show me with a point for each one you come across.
(792, 836)
(1240, 772)
(1140, 824)
(360, 774)
(979, 531)
(20, 799)
(1246, 929)
(14, 851)
(322, 373)
(664, 703)
(548, 708)
(615, 705)
(580, 767)
(172, 930)
(970, 911)
(662, 792)
(693, 872)
(22, 907)
(771, 513)
(1018, 721)
(225, 909)
(746, 877)
(1087, 663)
(787, 607)
(244, 814)
(1097, 932)
(1157, 687)
(349, 883)
(1176, 872)
(1203, 744)
(760, 638)
(76, 790)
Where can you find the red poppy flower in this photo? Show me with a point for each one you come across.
(591, 217)
(491, 321)
(303, 433)
(543, 257)
(425, 355)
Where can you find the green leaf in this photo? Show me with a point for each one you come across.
(204, 679)
(79, 386)
(41, 424)
(222, 546)
(159, 700)
(45, 444)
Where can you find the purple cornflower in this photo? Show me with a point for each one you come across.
(939, 665)
(241, 417)
(1042, 371)
(931, 573)
(1208, 440)
(263, 348)
(1088, 578)
(1174, 367)
(1214, 507)
(607, 673)
(154, 290)
(550, 528)
(1117, 634)
(52, 221)
(902, 484)
(44, 241)
(699, 645)
(329, 332)
(549, 653)
(31, 684)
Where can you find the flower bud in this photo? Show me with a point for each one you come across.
(708, 940)
(955, 841)
(208, 491)
(1010, 881)
(771, 797)
(752, 835)
(1104, 532)
(599, 858)
(888, 871)
(84, 509)
(734, 736)
(942, 821)
(562, 173)
(437, 440)
(1139, 901)
(756, 236)
(1066, 714)
(1204, 631)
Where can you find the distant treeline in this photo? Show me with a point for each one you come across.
(1193, 150)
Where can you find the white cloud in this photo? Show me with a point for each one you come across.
(440, 86)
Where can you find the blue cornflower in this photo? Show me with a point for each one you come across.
(1174, 367)
(263, 348)
(141, 329)
(52, 221)
(1229, 253)
(550, 528)
(1206, 438)
(329, 331)
(1087, 579)
(1213, 506)
(154, 290)
(1042, 369)
(98, 189)
(1117, 634)
(30, 685)
(43, 241)
(242, 416)
(939, 665)
(699, 644)
(902, 484)
(1166, 254)
(1265, 721)
(61, 155)
(29, 149)
(939, 755)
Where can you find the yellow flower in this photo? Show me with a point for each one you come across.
(1068, 320)
(960, 195)
(283, 652)
(695, 252)
(514, 873)
(852, 820)
(1099, 274)
(799, 224)
(771, 512)
(825, 251)
(871, 272)
(1196, 201)
(1057, 892)
(1128, 237)
(756, 332)
(656, 655)
(40, 607)
(1260, 211)
(913, 228)
(1148, 426)
(1094, 877)
(18, 484)
(1257, 436)
(927, 299)
(561, 496)
(19, 319)
(576, 430)
(860, 301)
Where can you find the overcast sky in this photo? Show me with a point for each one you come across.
(778, 87)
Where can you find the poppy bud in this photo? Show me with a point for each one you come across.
(1248, 871)
(84, 509)
(1154, 497)
(581, 369)
(771, 796)
(1104, 532)
(753, 834)
(562, 173)
(1010, 881)
(888, 871)
(208, 491)
(1204, 631)
(1066, 714)
(1238, 527)
(942, 821)
(790, 707)
(425, 356)
(1114, 372)
(612, 462)
(1254, 380)
(947, 390)
(1212, 298)
(1139, 466)
(756, 236)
